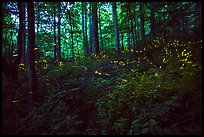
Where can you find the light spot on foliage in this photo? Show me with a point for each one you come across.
(124, 80)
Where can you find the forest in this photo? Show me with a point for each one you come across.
(101, 68)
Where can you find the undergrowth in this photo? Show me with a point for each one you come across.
(152, 90)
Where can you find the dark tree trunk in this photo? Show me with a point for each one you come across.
(11, 46)
(142, 22)
(134, 27)
(164, 26)
(133, 35)
(59, 41)
(128, 20)
(100, 28)
(11, 73)
(33, 86)
(55, 43)
(95, 28)
(122, 46)
(85, 12)
(182, 29)
(38, 26)
(91, 29)
(200, 15)
(23, 36)
(84, 30)
(152, 12)
(116, 28)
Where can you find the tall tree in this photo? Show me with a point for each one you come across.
(11, 70)
(132, 28)
(55, 43)
(33, 85)
(23, 59)
(142, 22)
(59, 37)
(85, 12)
(95, 28)
(99, 21)
(84, 29)
(116, 28)
(152, 14)
(90, 29)
(128, 25)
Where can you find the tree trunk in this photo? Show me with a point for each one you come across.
(55, 43)
(142, 22)
(134, 27)
(84, 31)
(128, 20)
(59, 23)
(85, 12)
(152, 14)
(95, 28)
(72, 37)
(100, 29)
(164, 22)
(122, 46)
(14, 66)
(91, 29)
(38, 26)
(33, 86)
(11, 46)
(23, 37)
(133, 35)
(116, 29)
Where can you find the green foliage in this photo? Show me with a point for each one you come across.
(132, 98)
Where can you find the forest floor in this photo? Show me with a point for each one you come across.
(154, 90)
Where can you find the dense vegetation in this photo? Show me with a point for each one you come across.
(110, 68)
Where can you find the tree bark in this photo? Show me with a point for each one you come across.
(128, 20)
(122, 46)
(11, 70)
(95, 28)
(55, 43)
(142, 22)
(100, 28)
(116, 28)
(84, 30)
(23, 59)
(85, 12)
(33, 85)
(152, 14)
(90, 30)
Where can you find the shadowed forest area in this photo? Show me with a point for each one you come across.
(101, 68)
